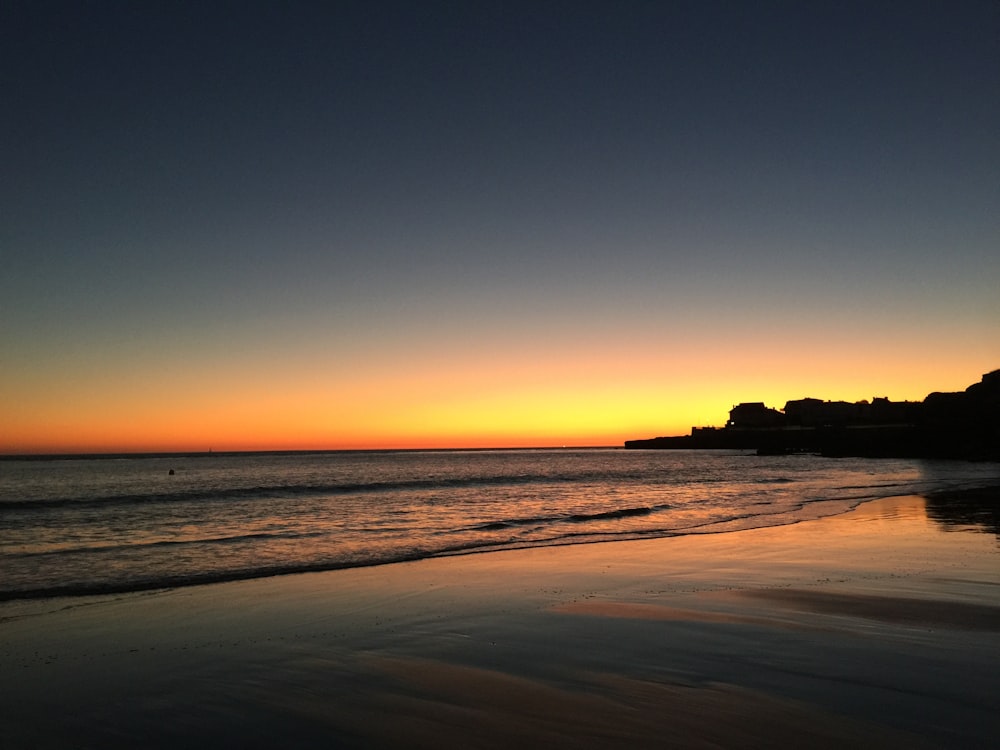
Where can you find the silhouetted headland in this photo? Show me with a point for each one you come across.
(963, 425)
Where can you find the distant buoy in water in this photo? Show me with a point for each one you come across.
(171, 472)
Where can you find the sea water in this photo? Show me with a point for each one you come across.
(83, 526)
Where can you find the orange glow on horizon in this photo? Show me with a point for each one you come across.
(513, 398)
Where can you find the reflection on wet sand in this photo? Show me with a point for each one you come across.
(973, 510)
(874, 628)
(893, 609)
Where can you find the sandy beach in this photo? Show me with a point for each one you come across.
(873, 628)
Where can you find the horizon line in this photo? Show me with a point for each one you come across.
(83, 455)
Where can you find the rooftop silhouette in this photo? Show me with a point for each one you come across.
(964, 425)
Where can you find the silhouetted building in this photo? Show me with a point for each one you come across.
(811, 412)
(965, 424)
(754, 416)
(884, 411)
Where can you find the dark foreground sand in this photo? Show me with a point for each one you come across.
(878, 628)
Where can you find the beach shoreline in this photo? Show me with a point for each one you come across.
(878, 625)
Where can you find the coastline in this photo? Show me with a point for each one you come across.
(960, 425)
(878, 625)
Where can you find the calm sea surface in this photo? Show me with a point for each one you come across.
(72, 527)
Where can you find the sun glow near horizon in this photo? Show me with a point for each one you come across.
(427, 408)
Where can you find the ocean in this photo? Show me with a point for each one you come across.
(80, 526)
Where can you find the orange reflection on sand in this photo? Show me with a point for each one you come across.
(642, 611)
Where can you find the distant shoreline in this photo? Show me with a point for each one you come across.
(963, 425)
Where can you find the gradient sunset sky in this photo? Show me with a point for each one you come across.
(246, 225)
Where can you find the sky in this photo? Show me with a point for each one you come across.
(251, 226)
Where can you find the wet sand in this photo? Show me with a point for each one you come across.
(875, 628)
